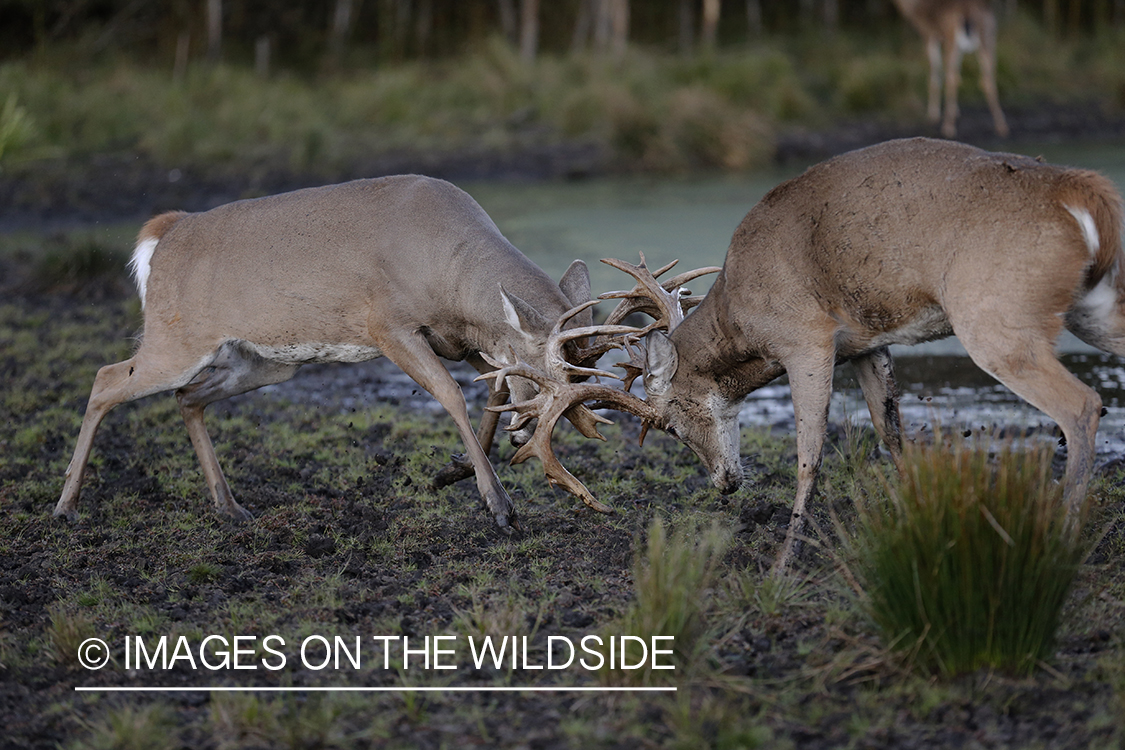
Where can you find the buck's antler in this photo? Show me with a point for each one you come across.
(665, 302)
(558, 398)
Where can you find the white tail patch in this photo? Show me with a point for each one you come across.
(1089, 229)
(140, 265)
(967, 41)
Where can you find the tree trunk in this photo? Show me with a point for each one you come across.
(619, 26)
(754, 16)
(529, 29)
(709, 29)
(214, 29)
(508, 19)
(341, 25)
(687, 27)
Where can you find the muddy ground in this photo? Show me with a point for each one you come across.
(349, 540)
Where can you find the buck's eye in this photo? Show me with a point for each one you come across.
(672, 431)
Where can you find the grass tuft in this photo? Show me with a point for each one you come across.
(969, 561)
(673, 577)
(151, 727)
(67, 632)
(82, 268)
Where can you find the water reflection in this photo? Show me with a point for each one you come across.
(955, 394)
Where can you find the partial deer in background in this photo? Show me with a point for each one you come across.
(406, 267)
(950, 29)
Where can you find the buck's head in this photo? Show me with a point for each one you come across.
(694, 410)
(533, 322)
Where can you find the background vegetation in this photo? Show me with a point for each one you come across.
(285, 87)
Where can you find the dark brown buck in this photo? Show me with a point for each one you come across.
(950, 29)
(900, 243)
(406, 267)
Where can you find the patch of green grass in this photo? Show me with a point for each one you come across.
(968, 563)
(144, 727)
(67, 631)
(673, 578)
(651, 110)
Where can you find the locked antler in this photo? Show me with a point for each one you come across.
(558, 398)
(665, 302)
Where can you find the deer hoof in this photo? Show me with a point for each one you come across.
(70, 516)
(238, 514)
(508, 523)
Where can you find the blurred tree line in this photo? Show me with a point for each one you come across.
(305, 33)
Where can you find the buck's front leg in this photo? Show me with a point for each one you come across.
(810, 381)
(460, 466)
(417, 360)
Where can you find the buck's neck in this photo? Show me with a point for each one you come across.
(709, 344)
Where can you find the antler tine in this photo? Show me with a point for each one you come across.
(634, 368)
(687, 276)
(665, 302)
(605, 339)
(556, 399)
(647, 296)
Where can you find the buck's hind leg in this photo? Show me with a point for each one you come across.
(117, 384)
(876, 375)
(1025, 362)
(235, 369)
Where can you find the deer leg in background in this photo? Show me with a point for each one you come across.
(952, 53)
(986, 54)
(933, 96)
(876, 375)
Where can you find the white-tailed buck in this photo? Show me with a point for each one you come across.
(900, 243)
(950, 29)
(406, 267)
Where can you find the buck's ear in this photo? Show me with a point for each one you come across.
(575, 283)
(522, 316)
(661, 360)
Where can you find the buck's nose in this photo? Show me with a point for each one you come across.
(727, 480)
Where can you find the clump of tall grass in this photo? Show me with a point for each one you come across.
(16, 126)
(967, 560)
(673, 577)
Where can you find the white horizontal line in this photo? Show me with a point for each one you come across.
(258, 689)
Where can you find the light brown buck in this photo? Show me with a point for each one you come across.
(952, 28)
(900, 243)
(406, 267)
